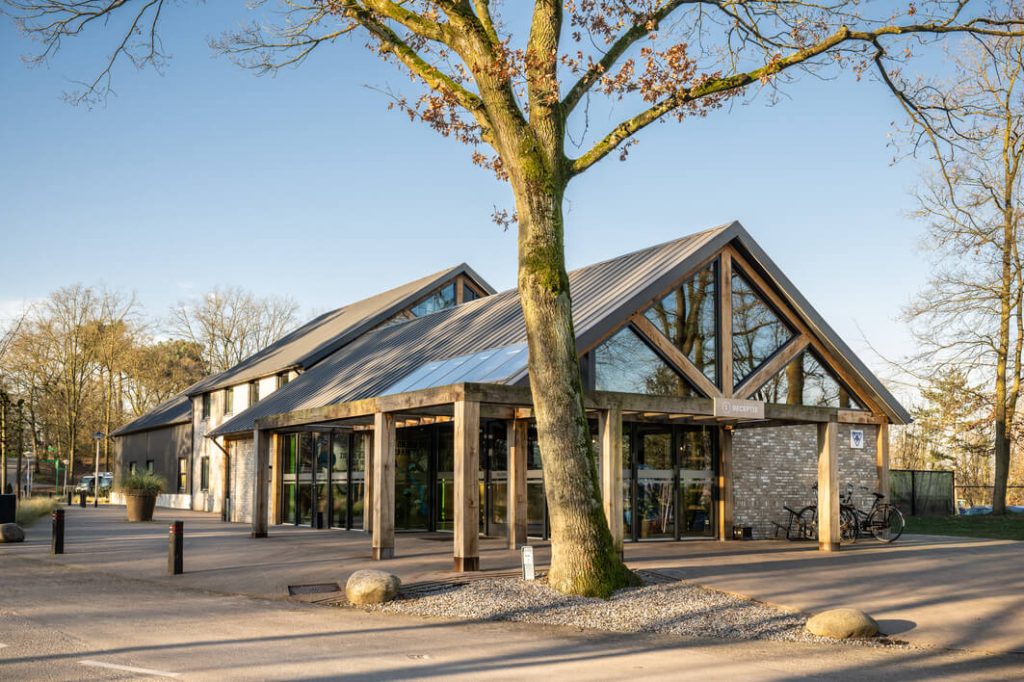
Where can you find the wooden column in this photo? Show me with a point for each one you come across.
(274, 485)
(725, 494)
(383, 541)
(725, 326)
(609, 424)
(882, 458)
(261, 441)
(367, 481)
(517, 444)
(467, 486)
(828, 487)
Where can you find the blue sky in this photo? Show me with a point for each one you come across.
(304, 184)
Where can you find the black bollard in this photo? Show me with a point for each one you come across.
(57, 545)
(81, 500)
(176, 549)
(69, 498)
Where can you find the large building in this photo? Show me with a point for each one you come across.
(717, 395)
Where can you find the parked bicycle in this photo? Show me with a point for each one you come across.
(883, 521)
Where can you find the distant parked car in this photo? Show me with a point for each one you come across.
(85, 484)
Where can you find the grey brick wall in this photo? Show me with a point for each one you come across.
(778, 466)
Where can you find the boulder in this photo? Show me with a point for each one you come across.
(372, 587)
(843, 624)
(11, 532)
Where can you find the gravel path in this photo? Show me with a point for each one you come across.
(676, 608)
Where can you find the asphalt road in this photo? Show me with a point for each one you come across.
(64, 623)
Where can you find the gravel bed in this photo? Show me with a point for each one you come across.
(678, 608)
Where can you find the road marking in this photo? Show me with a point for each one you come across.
(129, 669)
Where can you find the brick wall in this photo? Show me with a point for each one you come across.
(778, 466)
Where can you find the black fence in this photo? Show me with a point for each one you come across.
(922, 493)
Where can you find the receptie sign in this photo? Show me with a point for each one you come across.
(731, 408)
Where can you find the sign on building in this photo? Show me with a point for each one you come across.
(731, 408)
(857, 439)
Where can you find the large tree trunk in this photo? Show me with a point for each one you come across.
(1002, 440)
(583, 557)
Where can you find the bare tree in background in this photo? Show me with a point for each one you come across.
(516, 99)
(970, 318)
(230, 324)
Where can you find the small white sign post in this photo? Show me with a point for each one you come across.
(529, 573)
(857, 439)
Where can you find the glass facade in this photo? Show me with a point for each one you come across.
(757, 332)
(439, 300)
(322, 479)
(626, 364)
(688, 317)
(807, 381)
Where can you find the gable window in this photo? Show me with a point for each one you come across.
(254, 392)
(806, 380)
(469, 293)
(229, 400)
(688, 317)
(757, 331)
(206, 405)
(626, 364)
(439, 300)
(182, 475)
(282, 379)
(204, 474)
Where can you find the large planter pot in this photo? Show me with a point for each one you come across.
(140, 507)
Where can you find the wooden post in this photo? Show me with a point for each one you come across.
(367, 481)
(467, 486)
(517, 444)
(261, 441)
(882, 458)
(383, 541)
(610, 432)
(828, 487)
(725, 494)
(725, 325)
(274, 510)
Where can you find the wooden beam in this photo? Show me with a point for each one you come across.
(261, 441)
(383, 542)
(610, 433)
(725, 323)
(828, 487)
(790, 350)
(882, 458)
(467, 486)
(725, 487)
(367, 437)
(517, 454)
(675, 356)
(275, 481)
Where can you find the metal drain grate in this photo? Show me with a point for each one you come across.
(316, 588)
(656, 577)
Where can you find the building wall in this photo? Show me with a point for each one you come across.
(162, 445)
(778, 466)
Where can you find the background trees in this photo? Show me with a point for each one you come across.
(85, 360)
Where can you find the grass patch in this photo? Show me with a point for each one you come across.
(33, 509)
(1009, 527)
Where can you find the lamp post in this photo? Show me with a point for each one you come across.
(96, 481)
(4, 401)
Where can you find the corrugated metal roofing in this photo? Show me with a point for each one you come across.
(177, 410)
(325, 334)
(379, 360)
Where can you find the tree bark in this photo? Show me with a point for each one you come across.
(583, 556)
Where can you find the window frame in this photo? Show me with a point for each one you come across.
(254, 392)
(229, 400)
(182, 474)
(204, 473)
(207, 405)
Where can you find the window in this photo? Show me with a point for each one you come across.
(204, 474)
(206, 406)
(688, 317)
(133, 468)
(229, 400)
(439, 300)
(182, 475)
(282, 379)
(468, 293)
(150, 466)
(254, 392)
(626, 364)
(757, 332)
(807, 381)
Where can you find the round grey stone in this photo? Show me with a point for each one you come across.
(843, 623)
(11, 532)
(372, 587)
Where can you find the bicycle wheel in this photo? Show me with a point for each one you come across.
(807, 523)
(848, 531)
(886, 523)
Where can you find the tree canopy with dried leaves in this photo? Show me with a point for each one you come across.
(513, 80)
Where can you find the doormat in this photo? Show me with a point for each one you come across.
(316, 588)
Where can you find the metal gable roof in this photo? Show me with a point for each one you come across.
(412, 354)
(177, 410)
(325, 334)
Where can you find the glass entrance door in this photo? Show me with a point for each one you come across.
(655, 485)
(696, 481)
